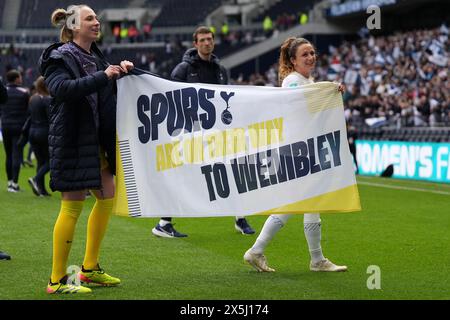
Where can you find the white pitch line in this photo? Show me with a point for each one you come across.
(401, 188)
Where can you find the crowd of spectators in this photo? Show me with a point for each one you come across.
(127, 32)
(400, 79)
(130, 33)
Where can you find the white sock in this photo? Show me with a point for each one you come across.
(272, 225)
(313, 233)
(163, 223)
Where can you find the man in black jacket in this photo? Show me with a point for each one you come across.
(14, 113)
(199, 65)
(3, 99)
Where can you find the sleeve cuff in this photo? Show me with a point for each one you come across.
(101, 78)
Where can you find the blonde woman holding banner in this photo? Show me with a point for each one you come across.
(81, 141)
(296, 64)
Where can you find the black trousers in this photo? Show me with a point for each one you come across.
(39, 143)
(14, 153)
(353, 152)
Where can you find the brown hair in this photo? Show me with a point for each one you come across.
(12, 75)
(40, 86)
(59, 18)
(201, 30)
(287, 51)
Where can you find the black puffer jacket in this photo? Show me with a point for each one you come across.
(193, 69)
(14, 112)
(39, 107)
(74, 139)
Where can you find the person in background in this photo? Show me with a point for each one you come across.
(268, 26)
(14, 113)
(352, 136)
(116, 33)
(3, 99)
(38, 136)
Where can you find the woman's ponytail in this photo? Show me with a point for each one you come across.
(60, 17)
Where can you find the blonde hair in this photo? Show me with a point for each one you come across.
(288, 51)
(59, 19)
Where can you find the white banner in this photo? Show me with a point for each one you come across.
(199, 150)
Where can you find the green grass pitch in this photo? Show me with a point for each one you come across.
(404, 229)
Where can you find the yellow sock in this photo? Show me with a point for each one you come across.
(97, 223)
(63, 236)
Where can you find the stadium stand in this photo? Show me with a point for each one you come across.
(286, 7)
(185, 13)
(401, 78)
(36, 13)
